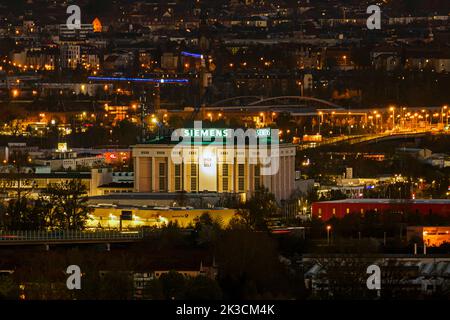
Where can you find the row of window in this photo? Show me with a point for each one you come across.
(117, 191)
(178, 176)
(347, 210)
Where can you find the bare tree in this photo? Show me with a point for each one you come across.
(343, 276)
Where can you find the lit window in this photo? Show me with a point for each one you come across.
(178, 177)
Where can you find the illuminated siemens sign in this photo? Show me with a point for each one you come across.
(263, 133)
(207, 133)
(255, 146)
(219, 133)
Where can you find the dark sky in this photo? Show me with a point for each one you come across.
(100, 6)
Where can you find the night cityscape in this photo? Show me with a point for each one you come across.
(225, 150)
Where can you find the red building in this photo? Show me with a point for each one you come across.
(339, 208)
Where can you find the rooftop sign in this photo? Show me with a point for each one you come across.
(207, 133)
(220, 133)
(265, 140)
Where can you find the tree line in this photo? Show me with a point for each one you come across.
(61, 206)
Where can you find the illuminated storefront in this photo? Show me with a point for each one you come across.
(212, 166)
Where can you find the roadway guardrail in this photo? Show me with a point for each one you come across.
(69, 235)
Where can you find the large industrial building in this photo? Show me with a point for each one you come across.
(339, 208)
(212, 168)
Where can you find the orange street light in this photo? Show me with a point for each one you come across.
(328, 234)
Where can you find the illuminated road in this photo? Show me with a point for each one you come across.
(370, 138)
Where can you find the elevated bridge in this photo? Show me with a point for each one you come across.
(293, 103)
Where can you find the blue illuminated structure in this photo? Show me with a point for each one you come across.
(165, 81)
(193, 55)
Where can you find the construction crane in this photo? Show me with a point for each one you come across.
(205, 78)
(144, 106)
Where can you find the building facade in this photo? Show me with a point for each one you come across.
(433, 236)
(339, 208)
(214, 168)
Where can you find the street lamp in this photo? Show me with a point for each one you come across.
(436, 115)
(377, 121)
(442, 114)
(300, 84)
(403, 117)
(328, 234)
(426, 116)
(392, 109)
(321, 120)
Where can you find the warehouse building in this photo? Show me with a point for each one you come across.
(339, 208)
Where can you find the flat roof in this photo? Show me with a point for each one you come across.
(154, 208)
(186, 142)
(391, 201)
(153, 196)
